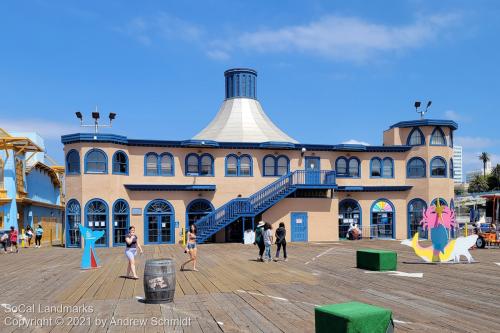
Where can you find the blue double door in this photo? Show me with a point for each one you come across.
(299, 227)
(312, 167)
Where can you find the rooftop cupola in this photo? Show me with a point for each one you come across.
(241, 117)
(241, 82)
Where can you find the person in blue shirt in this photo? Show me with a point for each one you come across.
(38, 236)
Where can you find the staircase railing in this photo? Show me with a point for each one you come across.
(262, 199)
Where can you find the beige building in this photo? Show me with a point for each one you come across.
(242, 169)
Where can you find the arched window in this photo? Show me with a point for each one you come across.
(192, 164)
(282, 166)
(2, 182)
(349, 212)
(269, 165)
(376, 167)
(231, 165)
(73, 219)
(120, 221)
(341, 167)
(159, 222)
(166, 164)
(73, 162)
(245, 165)
(151, 161)
(196, 210)
(96, 161)
(438, 138)
(416, 209)
(415, 168)
(382, 219)
(96, 214)
(442, 202)
(354, 167)
(416, 138)
(207, 165)
(452, 170)
(438, 167)
(120, 163)
(388, 168)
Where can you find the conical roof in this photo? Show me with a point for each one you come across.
(241, 117)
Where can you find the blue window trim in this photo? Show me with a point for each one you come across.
(392, 167)
(342, 175)
(444, 202)
(171, 161)
(437, 128)
(199, 158)
(275, 159)
(381, 167)
(422, 142)
(237, 165)
(452, 169)
(393, 214)
(189, 207)
(251, 165)
(73, 151)
(146, 164)
(408, 231)
(105, 161)
(445, 167)
(271, 157)
(113, 163)
(106, 233)
(359, 207)
(172, 222)
(66, 231)
(113, 219)
(408, 168)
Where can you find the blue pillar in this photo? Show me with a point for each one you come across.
(10, 211)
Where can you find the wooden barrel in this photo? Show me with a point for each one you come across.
(159, 280)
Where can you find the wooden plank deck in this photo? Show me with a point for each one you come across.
(233, 292)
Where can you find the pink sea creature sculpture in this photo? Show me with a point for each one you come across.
(436, 215)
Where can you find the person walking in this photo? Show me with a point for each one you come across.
(268, 240)
(281, 241)
(191, 247)
(3, 240)
(259, 239)
(13, 240)
(38, 236)
(29, 236)
(132, 244)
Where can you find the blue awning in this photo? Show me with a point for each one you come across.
(373, 188)
(164, 187)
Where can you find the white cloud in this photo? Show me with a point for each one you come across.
(453, 115)
(469, 142)
(46, 128)
(345, 38)
(356, 142)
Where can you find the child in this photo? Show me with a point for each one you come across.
(13, 240)
(29, 236)
(268, 240)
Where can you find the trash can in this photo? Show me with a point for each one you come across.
(159, 280)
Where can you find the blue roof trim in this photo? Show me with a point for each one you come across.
(199, 143)
(118, 139)
(427, 122)
(164, 187)
(373, 188)
(276, 144)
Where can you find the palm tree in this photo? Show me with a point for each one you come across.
(485, 158)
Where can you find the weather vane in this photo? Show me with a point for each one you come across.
(96, 125)
(422, 112)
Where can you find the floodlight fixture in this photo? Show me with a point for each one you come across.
(95, 115)
(79, 115)
(417, 104)
(112, 116)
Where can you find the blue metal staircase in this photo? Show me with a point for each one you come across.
(263, 200)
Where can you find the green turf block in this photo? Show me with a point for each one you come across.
(376, 260)
(352, 317)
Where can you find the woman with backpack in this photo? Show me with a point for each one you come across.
(259, 239)
(281, 241)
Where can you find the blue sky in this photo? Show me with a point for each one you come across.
(329, 71)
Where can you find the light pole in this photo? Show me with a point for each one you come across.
(422, 112)
(95, 125)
